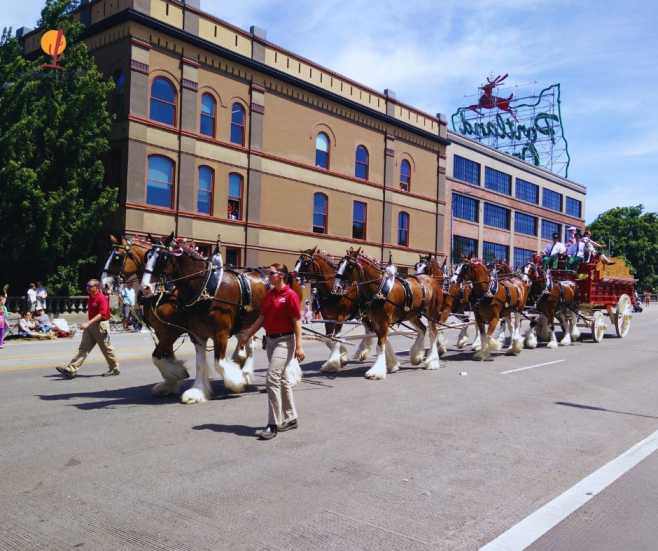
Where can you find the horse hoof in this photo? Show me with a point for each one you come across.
(375, 376)
(193, 396)
(417, 359)
(431, 365)
(393, 369)
(552, 345)
(330, 367)
(165, 388)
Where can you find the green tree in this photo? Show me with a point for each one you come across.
(54, 131)
(632, 233)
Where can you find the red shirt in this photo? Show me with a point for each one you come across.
(98, 304)
(280, 309)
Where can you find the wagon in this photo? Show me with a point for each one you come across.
(602, 290)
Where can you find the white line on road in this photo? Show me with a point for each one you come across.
(531, 528)
(530, 367)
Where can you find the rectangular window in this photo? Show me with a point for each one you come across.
(522, 257)
(232, 256)
(551, 200)
(496, 180)
(496, 216)
(463, 247)
(359, 218)
(495, 252)
(466, 170)
(465, 208)
(234, 197)
(574, 207)
(524, 223)
(548, 228)
(527, 191)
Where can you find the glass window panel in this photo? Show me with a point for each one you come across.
(524, 223)
(163, 101)
(204, 198)
(359, 211)
(464, 207)
(527, 191)
(466, 170)
(159, 187)
(322, 150)
(237, 124)
(522, 257)
(361, 164)
(496, 180)
(548, 228)
(496, 216)
(574, 207)
(463, 247)
(403, 229)
(405, 175)
(235, 196)
(495, 252)
(551, 200)
(320, 209)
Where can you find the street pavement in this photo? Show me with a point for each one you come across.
(446, 459)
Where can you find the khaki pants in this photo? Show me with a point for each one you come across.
(281, 404)
(96, 334)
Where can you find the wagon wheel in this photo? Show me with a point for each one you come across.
(623, 316)
(598, 326)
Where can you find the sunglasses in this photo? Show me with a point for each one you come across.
(273, 273)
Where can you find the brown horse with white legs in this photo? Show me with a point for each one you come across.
(506, 300)
(127, 259)
(389, 300)
(215, 304)
(558, 300)
(317, 267)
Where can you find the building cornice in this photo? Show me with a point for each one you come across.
(157, 25)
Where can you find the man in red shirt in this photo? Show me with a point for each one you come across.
(96, 331)
(280, 315)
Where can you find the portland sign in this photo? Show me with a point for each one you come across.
(528, 127)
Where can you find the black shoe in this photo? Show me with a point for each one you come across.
(67, 373)
(267, 433)
(112, 372)
(288, 425)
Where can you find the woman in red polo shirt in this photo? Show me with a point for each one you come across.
(280, 316)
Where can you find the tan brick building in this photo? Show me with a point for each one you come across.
(221, 132)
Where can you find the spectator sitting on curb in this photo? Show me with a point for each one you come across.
(27, 328)
(43, 321)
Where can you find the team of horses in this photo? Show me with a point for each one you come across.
(183, 292)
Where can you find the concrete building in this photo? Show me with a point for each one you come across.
(221, 132)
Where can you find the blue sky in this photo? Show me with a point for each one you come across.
(434, 53)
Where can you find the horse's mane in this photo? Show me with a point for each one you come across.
(370, 260)
(189, 250)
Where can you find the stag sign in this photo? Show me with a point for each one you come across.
(53, 43)
(528, 126)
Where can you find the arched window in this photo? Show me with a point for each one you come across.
(206, 185)
(160, 183)
(234, 196)
(322, 150)
(119, 79)
(237, 124)
(361, 164)
(163, 101)
(208, 115)
(403, 229)
(320, 212)
(405, 175)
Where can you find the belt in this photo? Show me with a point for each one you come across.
(278, 335)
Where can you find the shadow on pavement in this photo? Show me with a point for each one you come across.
(137, 395)
(239, 430)
(596, 408)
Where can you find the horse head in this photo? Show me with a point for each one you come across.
(158, 261)
(349, 270)
(423, 265)
(126, 259)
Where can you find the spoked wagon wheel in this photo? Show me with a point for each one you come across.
(598, 326)
(623, 316)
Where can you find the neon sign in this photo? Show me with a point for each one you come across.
(529, 128)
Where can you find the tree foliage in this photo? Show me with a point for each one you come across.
(54, 130)
(632, 233)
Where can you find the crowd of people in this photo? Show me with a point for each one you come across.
(579, 247)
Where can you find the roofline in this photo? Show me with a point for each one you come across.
(131, 14)
(541, 172)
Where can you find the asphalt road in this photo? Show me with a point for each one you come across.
(448, 459)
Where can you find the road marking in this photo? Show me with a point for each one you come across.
(531, 528)
(530, 367)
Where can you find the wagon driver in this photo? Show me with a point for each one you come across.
(552, 253)
(280, 316)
